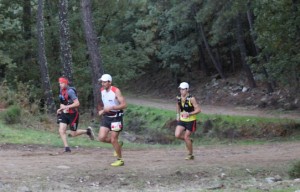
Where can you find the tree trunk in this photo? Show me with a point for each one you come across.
(295, 5)
(42, 59)
(53, 42)
(218, 57)
(232, 58)
(65, 48)
(202, 61)
(93, 49)
(295, 10)
(252, 32)
(202, 64)
(216, 64)
(253, 38)
(242, 46)
(27, 20)
(27, 33)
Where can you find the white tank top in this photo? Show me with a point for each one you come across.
(109, 98)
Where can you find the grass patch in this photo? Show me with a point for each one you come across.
(290, 189)
(147, 125)
(294, 172)
(160, 126)
(12, 115)
(17, 134)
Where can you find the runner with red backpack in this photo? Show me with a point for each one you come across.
(68, 113)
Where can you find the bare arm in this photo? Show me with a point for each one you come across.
(121, 106)
(73, 105)
(177, 108)
(121, 100)
(196, 107)
(177, 112)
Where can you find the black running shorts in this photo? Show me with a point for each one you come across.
(191, 126)
(112, 123)
(70, 119)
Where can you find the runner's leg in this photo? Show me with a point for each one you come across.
(78, 132)
(62, 133)
(115, 143)
(74, 119)
(103, 135)
(188, 141)
(179, 132)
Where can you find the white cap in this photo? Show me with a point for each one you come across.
(105, 77)
(184, 85)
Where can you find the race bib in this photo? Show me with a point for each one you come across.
(184, 115)
(116, 126)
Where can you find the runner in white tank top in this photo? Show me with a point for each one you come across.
(112, 116)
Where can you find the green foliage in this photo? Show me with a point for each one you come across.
(294, 172)
(158, 126)
(123, 62)
(12, 115)
(277, 27)
(239, 128)
(5, 59)
(12, 41)
(148, 123)
(177, 28)
(25, 95)
(138, 37)
(223, 26)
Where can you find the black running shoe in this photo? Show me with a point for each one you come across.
(90, 133)
(67, 150)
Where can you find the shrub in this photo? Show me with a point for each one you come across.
(12, 115)
(294, 172)
(25, 95)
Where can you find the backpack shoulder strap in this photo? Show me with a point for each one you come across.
(188, 99)
(72, 88)
(178, 97)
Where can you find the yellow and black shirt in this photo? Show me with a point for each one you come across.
(186, 106)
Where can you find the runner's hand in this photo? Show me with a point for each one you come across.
(101, 112)
(185, 115)
(108, 109)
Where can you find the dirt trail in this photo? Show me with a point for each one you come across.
(232, 168)
(222, 110)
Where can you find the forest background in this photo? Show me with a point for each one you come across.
(246, 51)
